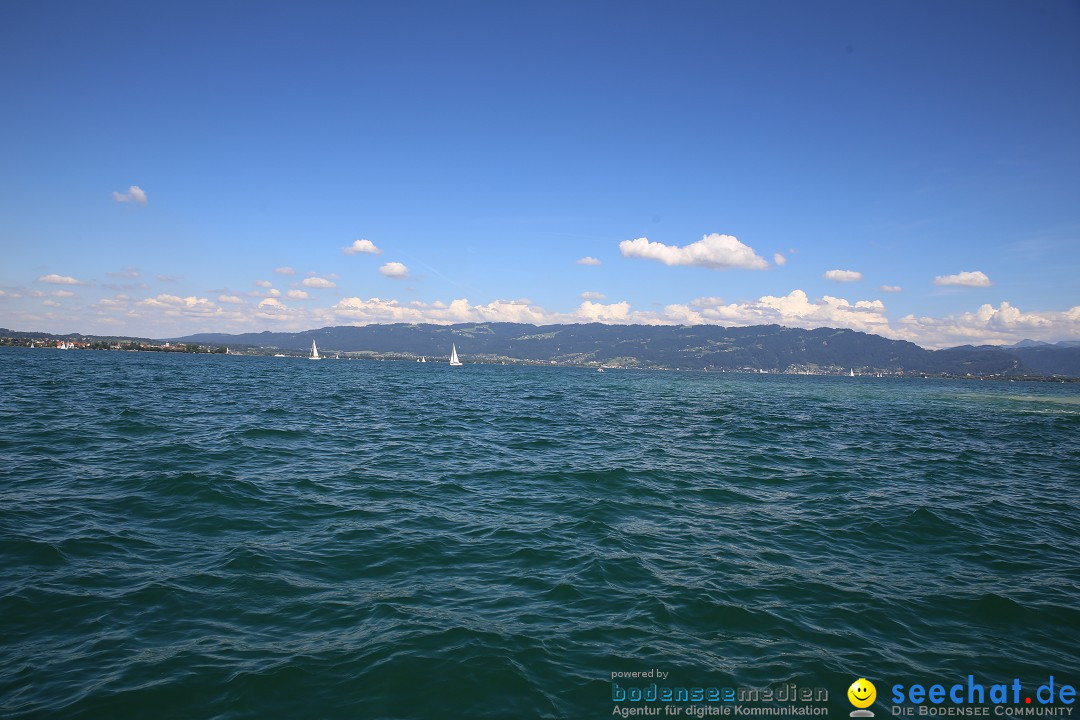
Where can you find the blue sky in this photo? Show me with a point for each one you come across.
(165, 166)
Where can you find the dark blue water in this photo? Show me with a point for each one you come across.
(229, 537)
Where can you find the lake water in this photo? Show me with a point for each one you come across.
(232, 537)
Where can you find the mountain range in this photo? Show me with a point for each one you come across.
(762, 347)
(759, 347)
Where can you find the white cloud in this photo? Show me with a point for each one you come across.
(380, 310)
(231, 299)
(190, 314)
(712, 251)
(173, 304)
(521, 311)
(588, 295)
(891, 288)
(613, 313)
(793, 310)
(264, 283)
(1003, 325)
(975, 278)
(844, 276)
(361, 246)
(298, 295)
(55, 279)
(128, 272)
(394, 270)
(588, 260)
(273, 292)
(286, 270)
(134, 194)
(273, 310)
(62, 293)
(375, 310)
(779, 259)
(318, 282)
(50, 303)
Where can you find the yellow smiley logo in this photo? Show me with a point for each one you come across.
(862, 693)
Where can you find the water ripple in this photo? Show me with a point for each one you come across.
(249, 537)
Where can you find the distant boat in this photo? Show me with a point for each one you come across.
(851, 372)
(314, 352)
(454, 362)
(599, 369)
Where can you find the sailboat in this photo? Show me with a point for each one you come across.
(454, 362)
(851, 372)
(314, 352)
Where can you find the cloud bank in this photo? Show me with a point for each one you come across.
(172, 314)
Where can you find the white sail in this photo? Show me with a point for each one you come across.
(314, 352)
(454, 362)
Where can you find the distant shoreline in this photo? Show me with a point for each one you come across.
(193, 349)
